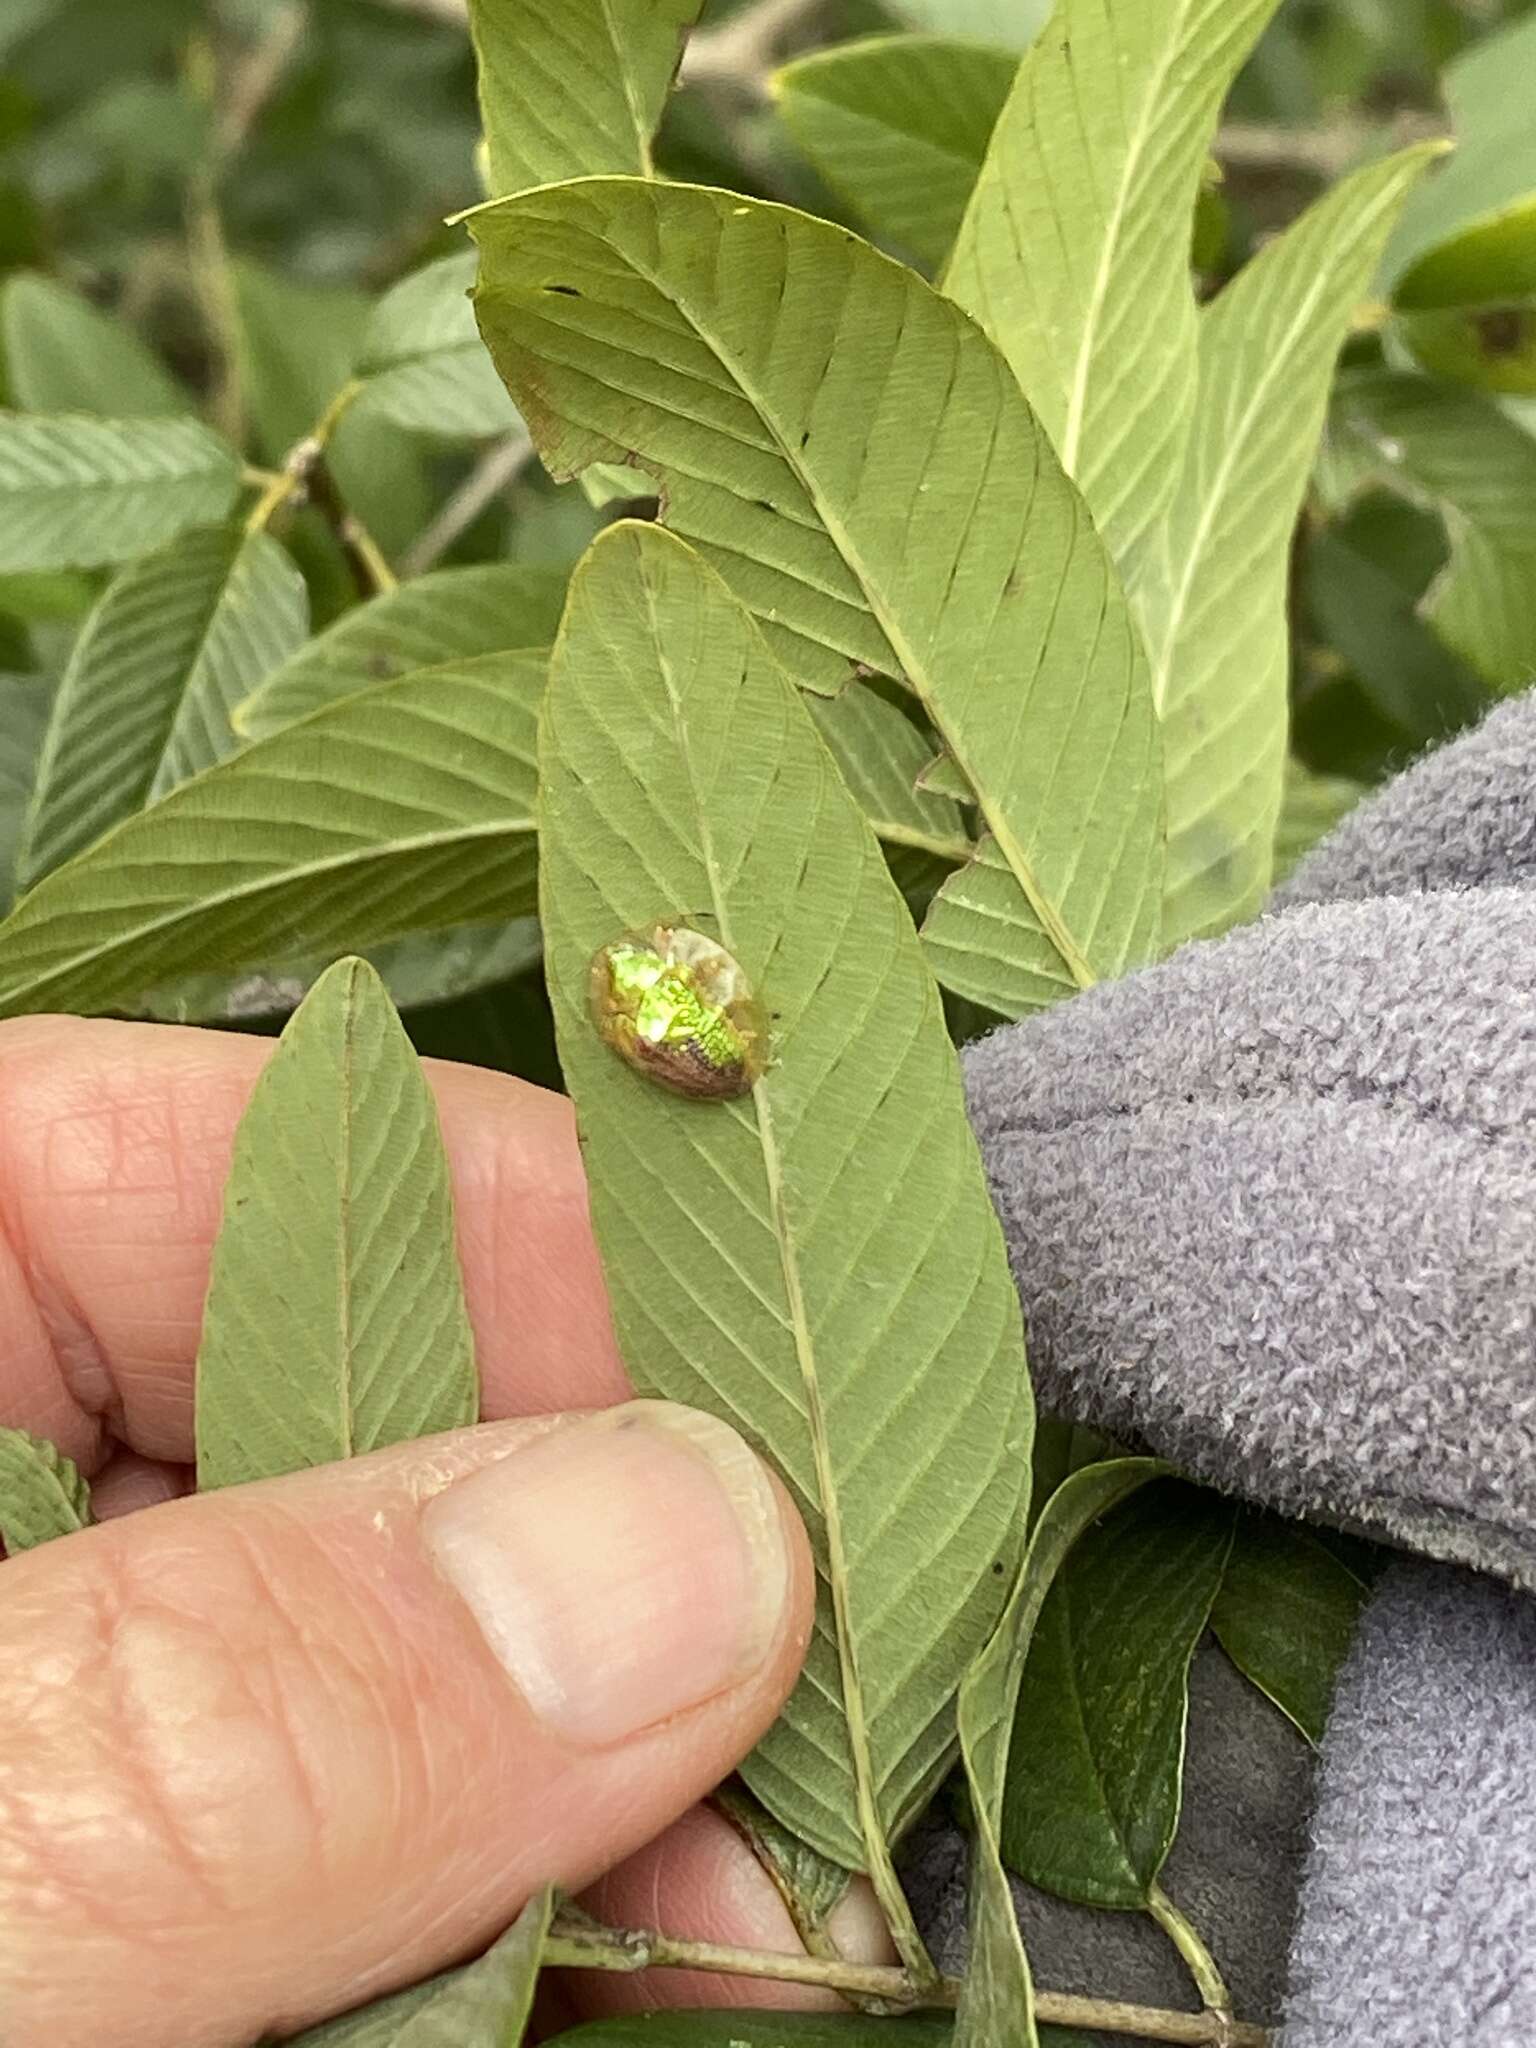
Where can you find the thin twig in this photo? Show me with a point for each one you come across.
(289, 485)
(1198, 1959)
(491, 475)
(365, 558)
(233, 106)
(576, 1943)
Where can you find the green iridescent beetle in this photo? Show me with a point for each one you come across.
(676, 1006)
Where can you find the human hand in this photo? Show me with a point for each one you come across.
(272, 1751)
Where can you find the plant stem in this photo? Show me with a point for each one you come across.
(1202, 1964)
(577, 1943)
(486, 481)
(365, 558)
(293, 480)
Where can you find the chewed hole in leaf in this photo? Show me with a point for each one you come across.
(678, 1008)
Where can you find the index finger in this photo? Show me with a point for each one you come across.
(115, 1141)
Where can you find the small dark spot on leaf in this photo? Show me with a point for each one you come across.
(1012, 584)
(380, 666)
(566, 291)
(997, 1569)
(1502, 331)
(762, 504)
(805, 437)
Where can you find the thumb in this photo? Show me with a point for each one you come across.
(274, 1750)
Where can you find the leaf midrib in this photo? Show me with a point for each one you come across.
(805, 1355)
(1077, 397)
(1050, 923)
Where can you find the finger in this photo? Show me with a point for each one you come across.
(701, 1882)
(115, 1142)
(275, 1750)
(129, 1482)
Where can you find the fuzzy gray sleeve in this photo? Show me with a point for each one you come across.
(1271, 1207)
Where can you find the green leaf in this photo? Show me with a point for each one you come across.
(1469, 234)
(41, 1493)
(1312, 805)
(175, 642)
(1012, 24)
(1286, 1615)
(62, 355)
(881, 753)
(408, 808)
(680, 772)
(897, 126)
(741, 2027)
(425, 364)
(877, 493)
(574, 89)
(1075, 250)
(997, 2000)
(24, 703)
(1458, 454)
(1214, 605)
(485, 2005)
(75, 492)
(449, 615)
(335, 1321)
(1489, 346)
(1095, 1776)
(1364, 578)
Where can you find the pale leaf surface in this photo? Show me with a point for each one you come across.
(1075, 249)
(447, 615)
(407, 809)
(335, 1321)
(856, 460)
(574, 88)
(76, 492)
(1213, 607)
(173, 644)
(41, 1493)
(817, 1261)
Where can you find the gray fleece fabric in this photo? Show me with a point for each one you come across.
(1271, 1207)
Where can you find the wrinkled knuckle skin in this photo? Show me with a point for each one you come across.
(153, 1786)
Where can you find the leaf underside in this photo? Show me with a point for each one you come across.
(408, 808)
(856, 461)
(76, 492)
(818, 1261)
(42, 1495)
(335, 1321)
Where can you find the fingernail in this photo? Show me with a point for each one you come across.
(623, 1567)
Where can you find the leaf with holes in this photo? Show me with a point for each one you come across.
(577, 88)
(898, 126)
(76, 492)
(171, 647)
(757, 1262)
(1075, 249)
(449, 615)
(335, 1320)
(877, 493)
(1095, 1775)
(41, 1493)
(424, 363)
(997, 1998)
(1213, 605)
(63, 355)
(407, 809)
